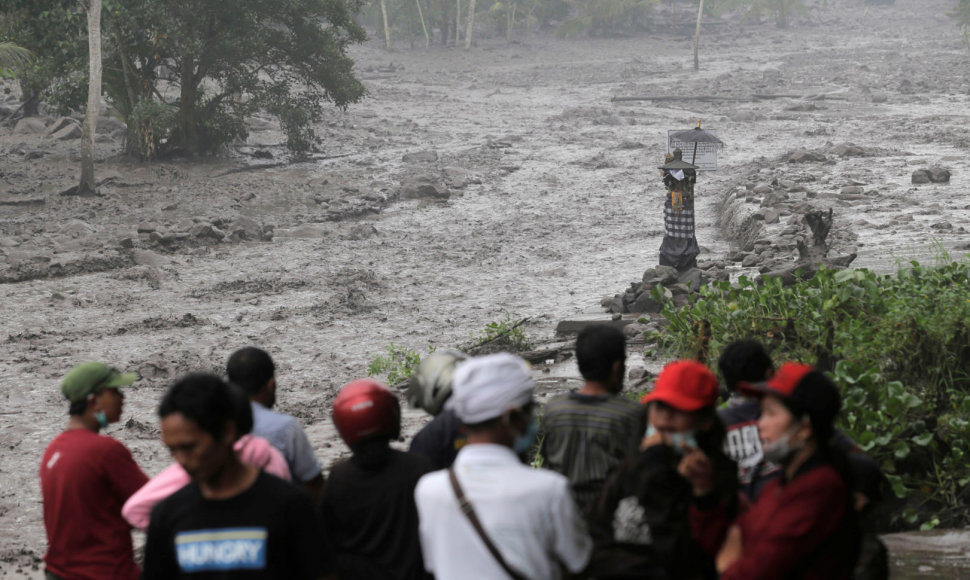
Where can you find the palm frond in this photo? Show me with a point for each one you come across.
(12, 55)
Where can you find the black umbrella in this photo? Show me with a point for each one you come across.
(695, 136)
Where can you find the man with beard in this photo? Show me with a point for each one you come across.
(590, 431)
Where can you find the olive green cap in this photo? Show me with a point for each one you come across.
(90, 377)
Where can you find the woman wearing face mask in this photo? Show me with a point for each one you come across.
(803, 524)
(640, 524)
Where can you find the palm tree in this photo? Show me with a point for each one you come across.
(12, 55)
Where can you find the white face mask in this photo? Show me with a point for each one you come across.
(780, 450)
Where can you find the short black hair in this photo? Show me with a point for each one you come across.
(598, 347)
(744, 360)
(205, 399)
(250, 369)
(78, 407)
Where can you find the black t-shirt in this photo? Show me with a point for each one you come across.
(269, 531)
(370, 519)
(441, 439)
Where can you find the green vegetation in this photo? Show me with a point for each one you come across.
(192, 71)
(962, 15)
(505, 334)
(396, 364)
(899, 347)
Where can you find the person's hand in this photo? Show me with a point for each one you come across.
(731, 551)
(656, 439)
(696, 468)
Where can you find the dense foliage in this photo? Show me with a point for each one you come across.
(898, 346)
(185, 74)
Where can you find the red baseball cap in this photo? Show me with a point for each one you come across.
(781, 384)
(685, 385)
(803, 389)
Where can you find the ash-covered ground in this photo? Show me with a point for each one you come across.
(469, 186)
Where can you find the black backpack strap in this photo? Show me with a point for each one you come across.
(469, 511)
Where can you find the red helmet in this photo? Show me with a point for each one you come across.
(365, 408)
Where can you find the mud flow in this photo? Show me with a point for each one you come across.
(469, 186)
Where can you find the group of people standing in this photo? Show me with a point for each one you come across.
(671, 486)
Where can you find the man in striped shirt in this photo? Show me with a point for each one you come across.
(590, 431)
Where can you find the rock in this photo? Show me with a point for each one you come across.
(77, 229)
(734, 256)
(30, 126)
(774, 198)
(692, 278)
(920, 176)
(853, 190)
(761, 189)
(420, 156)
(306, 231)
(424, 189)
(635, 330)
(145, 228)
(805, 156)
(750, 261)
(646, 303)
(72, 131)
(243, 228)
(149, 258)
(879, 98)
(108, 125)
(771, 216)
(207, 232)
(126, 243)
(361, 232)
(664, 275)
(939, 175)
(60, 124)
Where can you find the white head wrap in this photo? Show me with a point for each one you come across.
(487, 386)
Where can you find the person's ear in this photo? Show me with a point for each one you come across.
(804, 430)
(229, 432)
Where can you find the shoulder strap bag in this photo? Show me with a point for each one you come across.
(469, 511)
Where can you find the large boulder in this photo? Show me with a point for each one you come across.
(664, 275)
(418, 189)
(806, 156)
(30, 126)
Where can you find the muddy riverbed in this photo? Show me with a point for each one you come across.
(469, 187)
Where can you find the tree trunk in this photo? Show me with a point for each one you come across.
(87, 185)
(510, 23)
(387, 31)
(458, 22)
(471, 24)
(697, 34)
(424, 27)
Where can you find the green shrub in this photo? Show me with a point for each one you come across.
(397, 364)
(898, 346)
(504, 334)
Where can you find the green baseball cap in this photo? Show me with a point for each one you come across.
(90, 377)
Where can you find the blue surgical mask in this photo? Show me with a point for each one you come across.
(681, 442)
(524, 441)
(102, 419)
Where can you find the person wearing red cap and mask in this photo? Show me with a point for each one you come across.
(640, 524)
(803, 524)
(368, 511)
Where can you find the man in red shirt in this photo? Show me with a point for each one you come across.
(85, 478)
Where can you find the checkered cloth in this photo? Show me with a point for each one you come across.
(678, 224)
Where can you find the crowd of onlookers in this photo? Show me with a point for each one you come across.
(678, 485)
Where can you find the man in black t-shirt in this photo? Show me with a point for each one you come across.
(232, 520)
(368, 511)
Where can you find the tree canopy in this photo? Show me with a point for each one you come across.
(186, 73)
